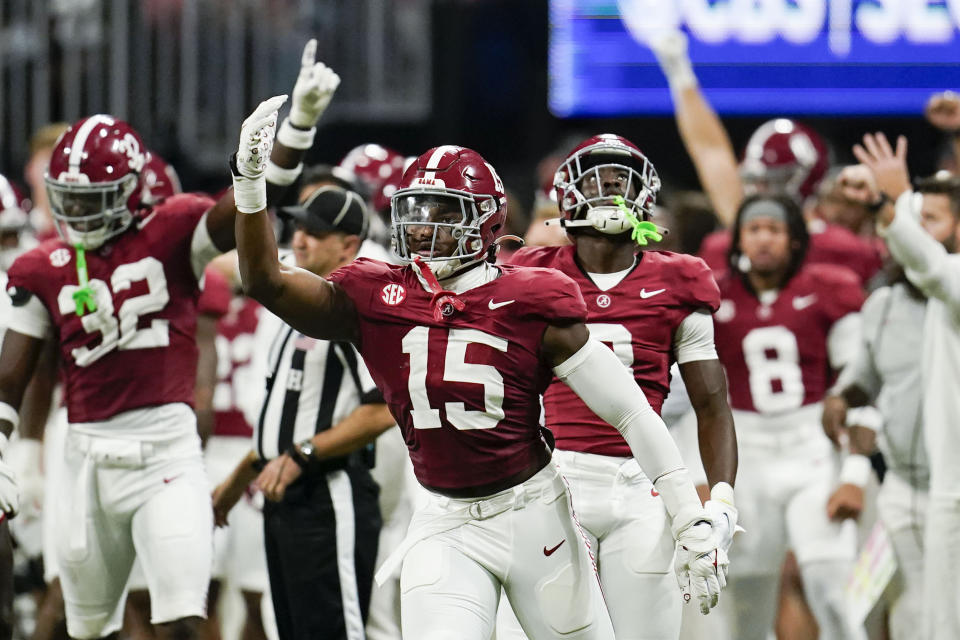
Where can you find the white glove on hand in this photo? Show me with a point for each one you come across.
(315, 86)
(700, 566)
(671, 52)
(9, 492)
(24, 456)
(256, 142)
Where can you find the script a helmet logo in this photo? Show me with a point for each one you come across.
(393, 294)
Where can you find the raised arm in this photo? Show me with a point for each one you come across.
(315, 86)
(305, 301)
(926, 261)
(701, 130)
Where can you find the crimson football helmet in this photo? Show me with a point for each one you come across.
(13, 222)
(378, 169)
(159, 181)
(786, 156)
(598, 169)
(457, 193)
(94, 180)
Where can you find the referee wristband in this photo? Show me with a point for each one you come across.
(856, 470)
(294, 454)
(295, 138)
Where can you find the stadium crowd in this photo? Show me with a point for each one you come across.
(366, 413)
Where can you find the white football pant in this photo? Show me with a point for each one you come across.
(787, 472)
(903, 510)
(122, 499)
(629, 533)
(400, 496)
(239, 555)
(524, 539)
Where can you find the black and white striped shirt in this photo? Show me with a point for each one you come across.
(310, 386)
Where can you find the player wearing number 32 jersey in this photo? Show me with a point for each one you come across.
(119, 293)
(784, 327)
(462, 350)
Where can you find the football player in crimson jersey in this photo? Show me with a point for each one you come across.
(783, 327)
(119, 293)
(462, 365)
(653, 308)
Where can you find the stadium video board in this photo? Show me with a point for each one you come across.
(756, 56)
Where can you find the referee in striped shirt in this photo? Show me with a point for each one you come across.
(321, 518)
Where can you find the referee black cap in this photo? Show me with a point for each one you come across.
(331, 208)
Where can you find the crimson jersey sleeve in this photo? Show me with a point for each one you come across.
(549, 295)
(714, 249)
(216, 295)
(842, 291)
(696, 281)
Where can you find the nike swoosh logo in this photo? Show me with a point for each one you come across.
(549, 552)
(496, 305)
(649, 294)
(802, 302)
(171, 478)
(143, 223)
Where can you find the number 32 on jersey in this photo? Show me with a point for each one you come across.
(121, 332)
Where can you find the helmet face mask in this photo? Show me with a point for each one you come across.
(94, 180)
(447, 211)
(596, 175)
(91, 214)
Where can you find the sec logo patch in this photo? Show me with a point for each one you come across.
(393, 294)
(60, 257)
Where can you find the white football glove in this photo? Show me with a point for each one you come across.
(24, 456)
(671, 52)
(701, 566)
(256, 142)
(722, 510)
(9, 492)
(315, 86)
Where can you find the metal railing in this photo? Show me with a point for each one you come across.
(185, 73)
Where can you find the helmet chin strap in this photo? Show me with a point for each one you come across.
(445, 303)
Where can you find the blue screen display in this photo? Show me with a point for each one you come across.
(756, 56)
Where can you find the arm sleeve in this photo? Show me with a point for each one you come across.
(861, 371)
(693, 339)
(202, 250)
(28, 315)
(926, 261)
(843, 340)
(606, 386)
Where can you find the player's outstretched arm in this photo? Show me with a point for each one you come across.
(701, 130)
(305, 301)
(595, 374)
(315, 86)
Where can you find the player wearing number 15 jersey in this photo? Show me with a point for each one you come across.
(118, 293)
(652, 308)
(783, 328)
(462, 365)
